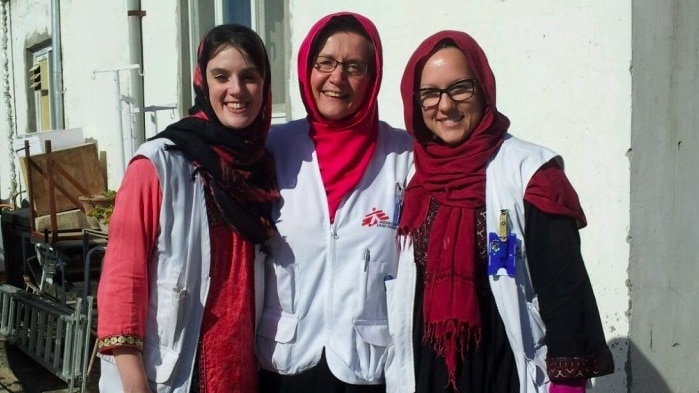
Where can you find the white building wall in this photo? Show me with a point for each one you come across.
(95, 37)
(562, 69)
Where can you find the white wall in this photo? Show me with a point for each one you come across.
(95, 38)
(563, 80)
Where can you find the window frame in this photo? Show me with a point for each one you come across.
(42, 121)
(201, 21)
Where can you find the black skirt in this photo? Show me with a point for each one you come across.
(488, 368)
(485, 368)
(318, 379)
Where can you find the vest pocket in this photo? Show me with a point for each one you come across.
(372, 294)
(373, 338)
(159, 362)
(275, 335)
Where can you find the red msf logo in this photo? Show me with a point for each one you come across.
(374, 218)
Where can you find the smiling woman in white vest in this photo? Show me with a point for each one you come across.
(491, 293)
(177, 296)
(341, 173)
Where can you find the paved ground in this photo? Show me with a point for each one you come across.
(19, 373)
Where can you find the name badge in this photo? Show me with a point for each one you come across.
(502, 249)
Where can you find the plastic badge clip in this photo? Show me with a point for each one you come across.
(502, 248)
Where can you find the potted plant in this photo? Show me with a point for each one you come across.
(89, 202)
(98, 208)
(103, 214)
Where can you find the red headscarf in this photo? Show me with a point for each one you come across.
(455, 177)
(344, 147)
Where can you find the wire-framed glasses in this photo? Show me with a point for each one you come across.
(458, 91)
(354, 69)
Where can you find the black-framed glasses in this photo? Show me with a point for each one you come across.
(354, 69)
(458, 91)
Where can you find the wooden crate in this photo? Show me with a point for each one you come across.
(80, 162)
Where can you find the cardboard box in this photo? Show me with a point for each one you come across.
(59, 139)
(71, 219)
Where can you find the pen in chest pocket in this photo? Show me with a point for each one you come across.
(367, 257)
(398, 205)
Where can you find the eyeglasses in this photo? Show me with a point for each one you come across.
(354, 69)
(458, 91)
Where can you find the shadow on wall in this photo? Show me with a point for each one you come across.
(648, 379)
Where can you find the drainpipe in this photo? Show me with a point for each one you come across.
(57, 66)
(135, 14)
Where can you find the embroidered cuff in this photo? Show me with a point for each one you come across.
(562, 369)
(108, 343)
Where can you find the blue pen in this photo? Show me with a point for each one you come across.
(367, 257)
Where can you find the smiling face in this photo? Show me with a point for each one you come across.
(452, 122)
(235, 87)
(336, 94)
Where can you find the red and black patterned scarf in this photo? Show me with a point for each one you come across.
(234, 163)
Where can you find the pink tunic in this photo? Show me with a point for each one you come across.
(226, 353)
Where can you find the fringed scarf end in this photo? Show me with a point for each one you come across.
(450, 339)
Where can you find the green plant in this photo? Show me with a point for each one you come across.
(102, 213)
(109, 194)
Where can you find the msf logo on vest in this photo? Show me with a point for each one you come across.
(377, 218)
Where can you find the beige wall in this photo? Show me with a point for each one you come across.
(664, 265)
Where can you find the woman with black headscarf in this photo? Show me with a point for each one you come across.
(177, 295)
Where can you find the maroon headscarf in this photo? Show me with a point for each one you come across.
(344, 147)
(455, 177)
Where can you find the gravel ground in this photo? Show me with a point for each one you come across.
(19, 373)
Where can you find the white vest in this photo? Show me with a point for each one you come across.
(324, 283)
(178, 277)
(507, 176)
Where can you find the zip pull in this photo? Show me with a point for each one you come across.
(398, 205)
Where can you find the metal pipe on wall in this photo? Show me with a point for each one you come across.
(135, 14)
(56, 67)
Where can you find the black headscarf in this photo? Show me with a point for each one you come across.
(237, 169)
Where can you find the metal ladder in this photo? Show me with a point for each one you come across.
(54, 335)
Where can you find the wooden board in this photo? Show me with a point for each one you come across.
(80, 162)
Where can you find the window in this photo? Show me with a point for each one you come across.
(40, 85)
(269, 18)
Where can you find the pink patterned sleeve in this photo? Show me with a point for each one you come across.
(122, 296)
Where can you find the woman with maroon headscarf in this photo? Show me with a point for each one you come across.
(341, 173)
(470, 310)
(177, 294)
